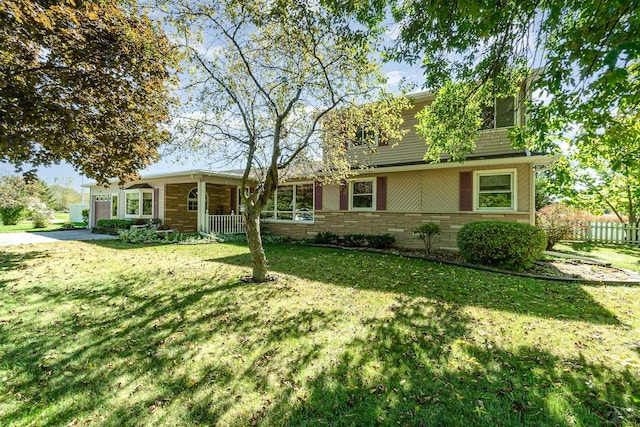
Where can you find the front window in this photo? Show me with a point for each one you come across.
(139, 203)
(362, 194)
(495, 191)
(500, 115)
(290, 202)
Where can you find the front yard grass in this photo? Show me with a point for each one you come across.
(624, 256)
(119, 335)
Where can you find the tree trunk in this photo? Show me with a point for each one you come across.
(258, 258)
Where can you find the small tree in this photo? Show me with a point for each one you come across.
(12, 199)
(267, 76)
(425, 232)
(558, 221)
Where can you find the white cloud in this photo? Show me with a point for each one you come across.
(395, 77)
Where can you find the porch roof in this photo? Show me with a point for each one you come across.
(193, 173)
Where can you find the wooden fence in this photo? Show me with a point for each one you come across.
(607, 232)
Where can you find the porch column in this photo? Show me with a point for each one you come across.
(202, 206)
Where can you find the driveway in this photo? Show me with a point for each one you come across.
(8, 239)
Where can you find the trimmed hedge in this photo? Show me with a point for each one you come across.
(114, 223)
(508, 245)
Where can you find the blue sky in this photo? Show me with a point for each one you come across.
(64, 172)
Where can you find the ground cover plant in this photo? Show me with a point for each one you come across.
(115, 334)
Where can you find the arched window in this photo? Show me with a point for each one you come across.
(192, 200)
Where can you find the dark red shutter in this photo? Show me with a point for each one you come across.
(344, 197)
(234, 199)
(466, 191)
(381, 193)
(317, 203)
(156, 202)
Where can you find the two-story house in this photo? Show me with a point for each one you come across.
(395, 195)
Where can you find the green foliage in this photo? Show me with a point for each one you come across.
(11, 215)
(139, 235)
(114, 223)
(587, 55)
(68, 226)
(326, 238)
(85, 215)
(508, 245)
(602, 172)
(450, 123)
(59, 61)
(40, 220)
(354, 240)
(542, 192)
(558, 221)
(426, 232)
(380, 241)
(63, 196)
(12, 191)
(282, 69)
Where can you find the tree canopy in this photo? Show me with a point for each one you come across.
(84, 82)
(586, 54)
(265, 76)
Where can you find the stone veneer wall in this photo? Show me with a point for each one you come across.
(176, 214)
(400, 225)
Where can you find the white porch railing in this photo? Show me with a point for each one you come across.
(225, 224)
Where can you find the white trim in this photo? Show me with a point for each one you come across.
(294, 211)
(470, 163)
(373, 195)
(140, 192)
(489, 172)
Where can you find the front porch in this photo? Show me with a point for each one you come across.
(225, 224)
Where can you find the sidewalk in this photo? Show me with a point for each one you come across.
(25, 238)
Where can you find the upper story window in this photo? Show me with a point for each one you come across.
(290, 202)
(365, 136)
(139, 203)
(362, 194)
(500, 115)
(495, 190)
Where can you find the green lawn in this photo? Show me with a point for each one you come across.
(110, 334)
(619, 255)
(27, 225)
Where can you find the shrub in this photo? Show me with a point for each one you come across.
(558, 222)
(325, 237)
(355, 240)
(11, 215)
(425, 232)
(139, 235)
(114, 223)
(85, 215)
(508, 245)
(381, 241)
(40, 220)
